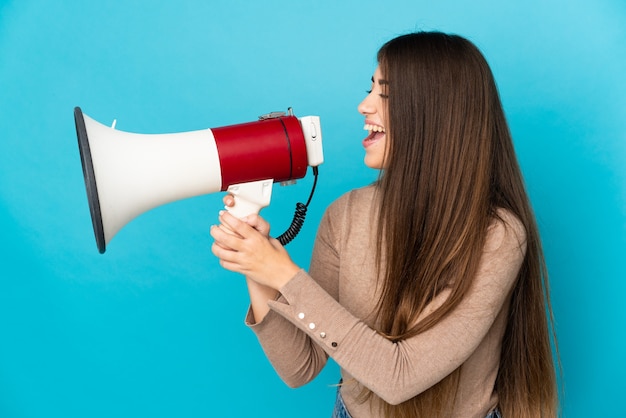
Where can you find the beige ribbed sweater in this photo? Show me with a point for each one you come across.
(329, 313)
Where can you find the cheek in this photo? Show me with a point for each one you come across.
(385, 156)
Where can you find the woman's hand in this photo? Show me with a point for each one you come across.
(259, 294)
(244, 246)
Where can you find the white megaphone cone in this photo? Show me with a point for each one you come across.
(127, 174)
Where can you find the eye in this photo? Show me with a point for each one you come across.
(368, 91)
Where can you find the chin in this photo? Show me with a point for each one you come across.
(373, 163)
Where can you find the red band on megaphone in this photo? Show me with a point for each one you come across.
(266, 149)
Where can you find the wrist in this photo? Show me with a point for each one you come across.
(261, 289)
(286, 275)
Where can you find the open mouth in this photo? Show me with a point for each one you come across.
(376, 132)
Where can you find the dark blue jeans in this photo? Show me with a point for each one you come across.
(495, 414)
(340, 410)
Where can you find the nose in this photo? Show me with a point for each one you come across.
(366, 107)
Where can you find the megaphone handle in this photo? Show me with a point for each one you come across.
(250, 197)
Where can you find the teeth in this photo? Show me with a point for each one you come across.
(375, 128)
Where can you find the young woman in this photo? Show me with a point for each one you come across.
(428, 288)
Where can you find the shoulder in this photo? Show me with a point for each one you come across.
(503, 254)
(356, 196)
(358, 200)
(506, 233)
(353, 212)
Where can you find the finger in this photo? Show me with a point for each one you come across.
(234, 267)
(258, 223)
(224, 255)
(228, 230)
(222, 246)
(225, 238)
(229, 200)
(234, 224)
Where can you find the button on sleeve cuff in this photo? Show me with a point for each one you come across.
(310, 308)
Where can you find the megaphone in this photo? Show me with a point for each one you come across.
(127, 174)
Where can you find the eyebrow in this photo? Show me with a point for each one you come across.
(380, 81)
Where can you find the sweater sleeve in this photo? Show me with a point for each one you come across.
(398, 371)
(294, 355)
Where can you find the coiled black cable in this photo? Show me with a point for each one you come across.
(298, 217)
(296, 224)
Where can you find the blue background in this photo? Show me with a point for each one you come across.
(154, 327)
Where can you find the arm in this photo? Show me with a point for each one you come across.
(399, 371)
(294, 356)
(394, 371)
(259, 294)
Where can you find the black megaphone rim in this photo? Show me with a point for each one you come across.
(90, 179)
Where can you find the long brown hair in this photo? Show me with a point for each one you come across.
(450, 166)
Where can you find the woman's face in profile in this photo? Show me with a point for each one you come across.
(374, 108)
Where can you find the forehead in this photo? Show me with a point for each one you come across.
(378, 74)
(378, 77)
